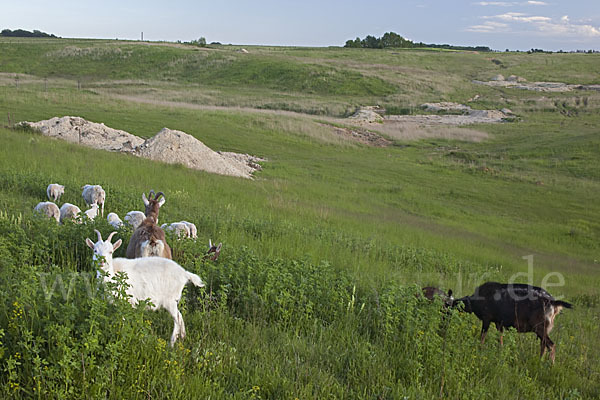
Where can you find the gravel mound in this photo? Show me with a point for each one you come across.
(169, 146)
(177, 147)
(367, 114)
(91, 134)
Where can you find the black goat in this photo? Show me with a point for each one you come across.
(526, 308)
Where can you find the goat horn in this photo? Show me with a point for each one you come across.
(110, 236)
(158, 195)
(99, 234)
(151, 193)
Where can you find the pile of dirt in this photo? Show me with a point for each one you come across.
(367, 114)
(91, 134)
(517, 82)
(169, 146)
(177, 147)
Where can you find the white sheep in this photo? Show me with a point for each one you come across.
(49, 209)
(179, 229)
(92, 212)
(192, 228)
(159, 279)
(70, 211)
(135, 218)
(114, 220)
(94, 194)
(54, 191)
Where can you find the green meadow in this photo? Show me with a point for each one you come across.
(324, 250)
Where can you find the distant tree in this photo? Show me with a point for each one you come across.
(353, 43)
(371, 42)
(200, 42)
(24, 33)
(392, 39)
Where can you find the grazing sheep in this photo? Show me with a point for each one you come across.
(54, 191)
(135, 218)
(192, 228)
(154, 278)
(49, 209)
(149, 238)
(94, 194)
(526, 308)
(70, 211)
(114, 220)
(180, 230)
(92, 212)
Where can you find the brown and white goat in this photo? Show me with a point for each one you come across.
(149, 239)
(214, 250)
(431, 292)
(526, 308)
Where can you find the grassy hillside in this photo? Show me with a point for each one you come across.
(314, 294)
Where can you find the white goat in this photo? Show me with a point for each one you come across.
(92, 212)
(49, 209)
(54, 191)
(114, 220)
(70, 211)
(192, 228)
(179, 229)
(159, 279)
(135, 218)
(94, 194)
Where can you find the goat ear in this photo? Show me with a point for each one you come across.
(145, 199)
(117, 244)
(89, 243)
(161, 202)
(219, 247)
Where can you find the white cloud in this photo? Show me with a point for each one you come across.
(520, 17)
(488, 27)
(511, 3)
(497, 3)
(517, 21)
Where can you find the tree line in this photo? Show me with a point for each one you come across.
(24, 33)
(393, 40)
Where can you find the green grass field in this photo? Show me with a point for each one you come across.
(313, 296)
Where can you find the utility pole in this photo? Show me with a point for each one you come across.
(142, 36)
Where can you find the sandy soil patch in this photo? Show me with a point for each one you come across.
(169, 146)
(441, 125)
(517, 82)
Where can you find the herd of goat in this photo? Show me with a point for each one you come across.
(152, 274)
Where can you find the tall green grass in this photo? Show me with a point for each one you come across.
(314, 294)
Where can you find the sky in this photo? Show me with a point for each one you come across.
(515, 25)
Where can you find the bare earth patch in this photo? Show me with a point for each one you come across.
(517, 82)
(169, 146)
(362, 136)
(446, 124)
